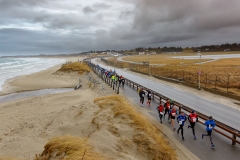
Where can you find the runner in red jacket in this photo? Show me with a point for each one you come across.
(193, 118)
(173, 113)
(160, 109)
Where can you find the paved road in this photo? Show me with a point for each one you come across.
(225, 114)
(120, 59)
(210, 56)
(200, 147)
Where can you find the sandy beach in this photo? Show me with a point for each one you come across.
(42, 80)
(28, 124)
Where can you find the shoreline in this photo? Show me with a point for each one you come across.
(25, 83)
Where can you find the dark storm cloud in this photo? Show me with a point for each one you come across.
(71, 26)
(162, 21)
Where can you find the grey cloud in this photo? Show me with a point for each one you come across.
(88, 10)
(6, 4)
(101, 6)
(95, 8)
(116, 24)
(20, 41)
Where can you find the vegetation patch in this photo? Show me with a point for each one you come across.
(149, 140)
(68, 148)
(77, 67)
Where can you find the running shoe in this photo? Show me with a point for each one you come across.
(213, 146)
(188, 126)
(183, 138)
(195, 137)
(202, 136)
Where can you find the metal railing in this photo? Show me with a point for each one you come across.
(223, 129)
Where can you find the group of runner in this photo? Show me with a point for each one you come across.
(116, 79)
(172, 112)
(142, 95)
(167, 108)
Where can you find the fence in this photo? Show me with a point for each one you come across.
(218, 84)
(223, 129)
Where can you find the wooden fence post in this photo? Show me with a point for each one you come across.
(216, 82)
(189, 77)
(183, 75)
(206, 81)
(228, 83)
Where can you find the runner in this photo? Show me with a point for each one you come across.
(141, 95)
(181, 119)
(172, 114)
(149, 96)
(167, 108)
(116, 79)
(193, 118)
(171, 103)
(210, 124)
(120, 80)
(160, 109)
(123, 81)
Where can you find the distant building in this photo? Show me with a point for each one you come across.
(141, 53)
(152, 52)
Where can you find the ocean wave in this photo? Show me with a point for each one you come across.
(14, 67)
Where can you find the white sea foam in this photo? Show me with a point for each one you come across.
(13, 67)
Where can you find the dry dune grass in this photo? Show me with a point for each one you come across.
(68, 148)
(149, 139)
(224, 62)
(76, 66)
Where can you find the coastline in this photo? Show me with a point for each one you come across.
(43, 79)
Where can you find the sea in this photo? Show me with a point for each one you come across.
(14, 67)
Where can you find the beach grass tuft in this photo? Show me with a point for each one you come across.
(76, 66)
(69, 148)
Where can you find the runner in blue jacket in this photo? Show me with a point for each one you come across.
(181, 119)
(210, 124)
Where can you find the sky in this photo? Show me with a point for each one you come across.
(73, 26)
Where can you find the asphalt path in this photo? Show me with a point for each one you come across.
(200, 147)
(220, 112)
(120, 59)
